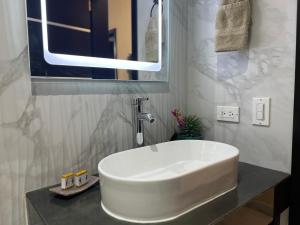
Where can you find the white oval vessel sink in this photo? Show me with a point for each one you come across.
(162, 182)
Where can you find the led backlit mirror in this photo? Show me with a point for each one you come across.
(99, 39)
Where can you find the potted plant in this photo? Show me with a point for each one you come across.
(189, 127)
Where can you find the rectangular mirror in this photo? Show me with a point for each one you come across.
(99, 39)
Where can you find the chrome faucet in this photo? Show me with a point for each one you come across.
(146, 116)
(139, 118)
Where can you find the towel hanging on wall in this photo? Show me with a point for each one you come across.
(151, 38)
(232, 25)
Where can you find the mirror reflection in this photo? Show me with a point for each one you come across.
(114, 29)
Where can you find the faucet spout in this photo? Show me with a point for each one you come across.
(147, 117)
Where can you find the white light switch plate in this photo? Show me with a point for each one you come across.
(261, 111)
(228, 114)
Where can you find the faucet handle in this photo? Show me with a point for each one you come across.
(143, 99)
(138, 101)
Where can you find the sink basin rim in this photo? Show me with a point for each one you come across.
(132, 180)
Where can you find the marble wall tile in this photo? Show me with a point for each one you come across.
(234, 78)
(42, 137)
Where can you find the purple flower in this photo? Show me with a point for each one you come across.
(180, 121)
(175, 112)
(179, 117)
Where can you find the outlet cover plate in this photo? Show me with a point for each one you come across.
(228, 113)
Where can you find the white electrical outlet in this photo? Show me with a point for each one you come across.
(228, 114)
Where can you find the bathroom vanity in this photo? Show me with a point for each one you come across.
(46, 208)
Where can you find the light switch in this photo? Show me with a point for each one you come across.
(261, 111)
(259, 115)
(260, 107)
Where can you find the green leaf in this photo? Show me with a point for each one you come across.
(193, 125)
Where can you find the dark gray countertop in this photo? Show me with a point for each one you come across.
(85, 209)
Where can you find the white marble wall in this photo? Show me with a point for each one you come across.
(42, 137)
(266, 69)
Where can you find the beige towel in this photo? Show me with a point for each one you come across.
(151, 40)
(232, 25)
